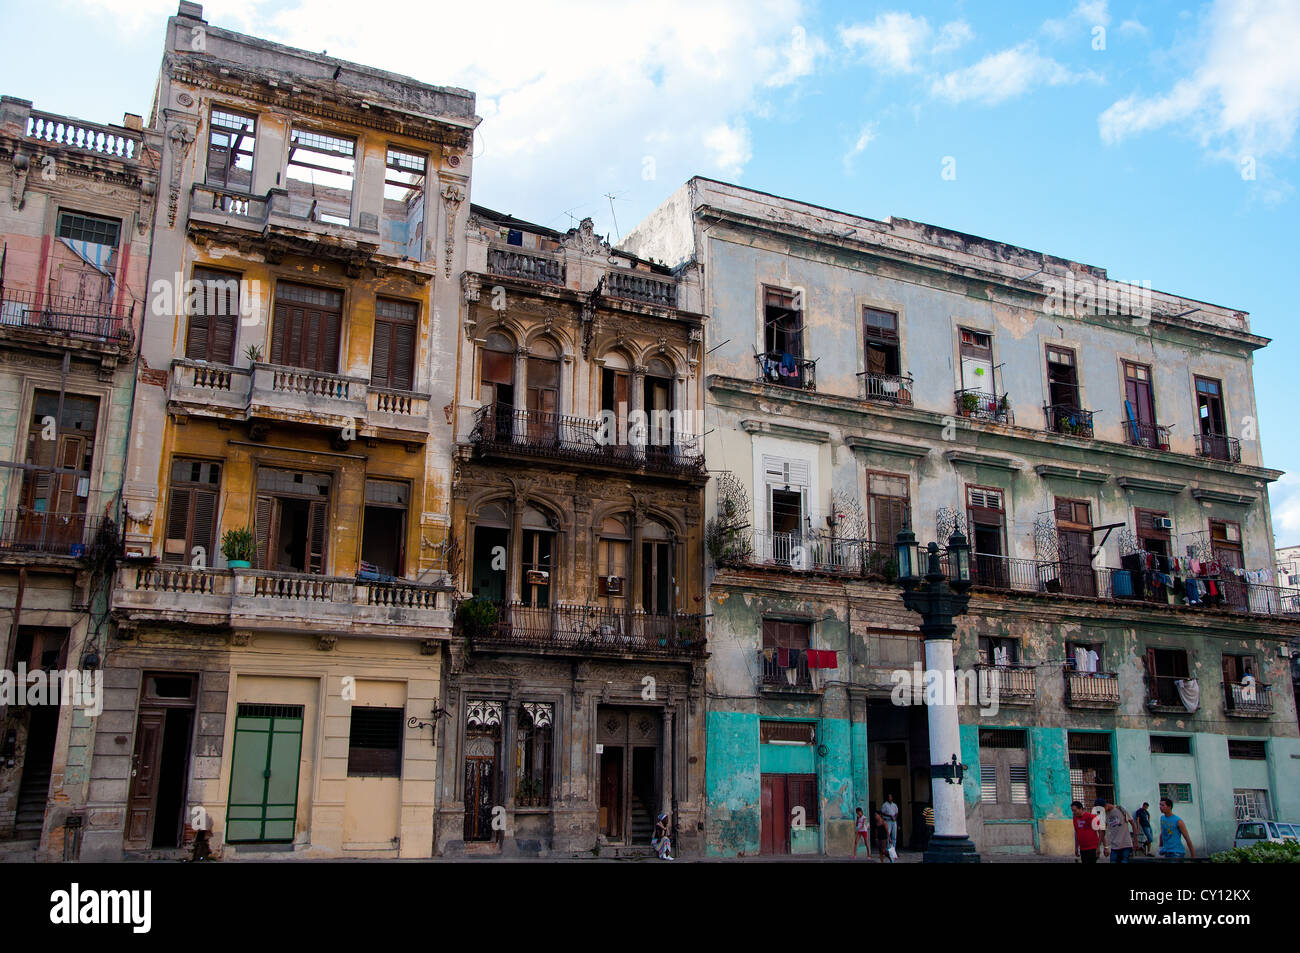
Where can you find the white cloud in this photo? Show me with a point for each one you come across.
(866, 135)
(573, 100)
(952, 35)
(1285, 498)
(1133, 28)
(1087, 14)
(1242, 98)
(890, 42)
(1004, 75)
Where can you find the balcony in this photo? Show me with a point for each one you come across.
(639, 286)
(114, 142)
(65, 320)
(1091, 689)
(513, 262)
(1218, 447)
(1007, 684)
(1068, 420)
(1152, 436)
(261, 600)
(584, 630)
(304, 396)
(1162, 694)
(774, 677)
(210, 389)
(981, 405)
(786, 370)
(891, 388)
(1251, 700)
(27, 534)
(501, 430)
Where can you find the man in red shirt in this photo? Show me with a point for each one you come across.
(1086, 841)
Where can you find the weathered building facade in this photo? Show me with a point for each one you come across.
(1096, 443)
(76, 211)
(574, 710)
(295, 385)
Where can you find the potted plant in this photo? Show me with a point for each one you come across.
(254, 353)
(968, 403)
(476, 617)
(239, 546)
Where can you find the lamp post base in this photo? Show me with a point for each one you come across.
(951, 850)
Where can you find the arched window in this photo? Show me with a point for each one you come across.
(659, 406)
(538, 558)
(491, 569)
(533, 754)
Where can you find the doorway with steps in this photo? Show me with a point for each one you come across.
(630, 746)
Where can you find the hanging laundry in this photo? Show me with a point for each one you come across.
(783, 657)
(788, 366)
(1122, 584)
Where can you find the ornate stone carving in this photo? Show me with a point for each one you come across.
(241, 638)
(541, 713)
(18, 187)
(182, 137)
(326, 643)
(452, 197)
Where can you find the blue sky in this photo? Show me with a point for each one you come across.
(1155, 139)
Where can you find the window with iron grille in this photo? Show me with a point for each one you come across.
(1250, 803)
(1247, 750)
(1092, 773)
(786, 732)
(375, 743)
(96, 229)
(1171, 744)
(1004, 768)
(1180, 792)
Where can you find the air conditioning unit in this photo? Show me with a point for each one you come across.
(1162, 522)
(538, 577)
(611, 585)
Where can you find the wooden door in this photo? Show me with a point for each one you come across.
(775, 816)
(143, 793)
(478, 798)
(265, 765)
(611, 792)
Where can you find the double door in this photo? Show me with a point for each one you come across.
(631, 746)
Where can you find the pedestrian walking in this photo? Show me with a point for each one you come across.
(1121, 830)
(861, 828)
(1173, 832)
(1086, 841)
(1143, 816)
(880, 832)
(889, 810)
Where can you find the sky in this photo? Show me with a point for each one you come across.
(1157, 140)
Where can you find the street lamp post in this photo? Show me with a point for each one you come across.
(938, 600)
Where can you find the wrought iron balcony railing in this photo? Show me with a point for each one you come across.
(1154, 436)
(1008, 684)
(774, 675)
(64, 315)
(894, 388)
(981, 405)
(1218, 446)
(1249, 700)
(787, 370)
(661, 448)
(1069, 420)
(27, 531)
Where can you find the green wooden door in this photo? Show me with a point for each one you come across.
(264, 773)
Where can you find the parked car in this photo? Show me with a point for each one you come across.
(1258, 831)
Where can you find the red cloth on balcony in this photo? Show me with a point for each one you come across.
(783, 657)
(822, 658)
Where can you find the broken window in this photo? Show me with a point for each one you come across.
(1165, 667)
(82, 267)
(383, 533)
(393, 361)
(192, 513)
(321, 173)
(292, 520)
(232, 139)
(403, 225)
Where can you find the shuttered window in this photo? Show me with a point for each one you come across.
(889, 506)
(393, 361)
(213, 305)
(785, 472)
(192, 513)
(375, 743)
(307, 327)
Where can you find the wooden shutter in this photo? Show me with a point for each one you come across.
(176, 543)
(262, 530)
(203, 524)
(197, 337)
(381, 360)
(280, 333)
(223, 338)
(784, 472)
(403, 376)
(317, 527)
(330, 330)
(1230, 669)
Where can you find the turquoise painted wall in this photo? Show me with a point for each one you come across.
(970, 756)
(1049, 772)
(1284, 777)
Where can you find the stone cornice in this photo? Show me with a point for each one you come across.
(1151, 486)
(1207, 495)
(971, 458)
(785, 430)
(880, 445)
(1051, 471)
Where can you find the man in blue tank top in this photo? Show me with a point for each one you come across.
(1173, 832)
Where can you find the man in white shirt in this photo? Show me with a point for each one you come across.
(889, 811)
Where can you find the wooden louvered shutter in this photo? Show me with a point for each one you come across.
(176, 543)
(223, 339)
(381, 368)
(317, 528)
(280, 334)
(203, 525)
(262, 530)
(196, 338)
(312, 339)
(403, 359)
(329, 360)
